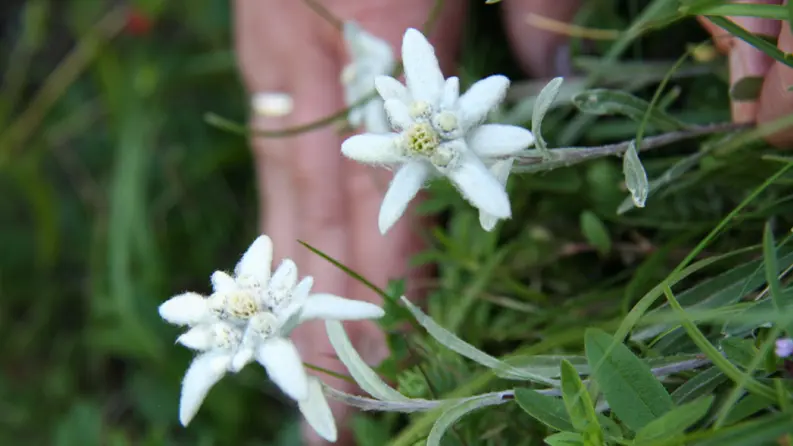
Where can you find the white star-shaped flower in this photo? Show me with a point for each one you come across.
(249, 317)
(370, 57)
(439, 132)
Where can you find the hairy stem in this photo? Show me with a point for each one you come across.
(532, 161)
(424, 405)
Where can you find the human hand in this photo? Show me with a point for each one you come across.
(775, 99)
(308, 190)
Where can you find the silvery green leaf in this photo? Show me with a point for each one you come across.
(369, 381)
(635, 176)
(457, 411)
(544, 101)
(451, 341)
(542, 365)
(671, 174)
(609, 102)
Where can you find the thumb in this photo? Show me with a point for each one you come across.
(540, 52)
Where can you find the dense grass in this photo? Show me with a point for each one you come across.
(111, 184)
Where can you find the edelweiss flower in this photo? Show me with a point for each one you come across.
(249, 316)
(439, 133)
(370, 57)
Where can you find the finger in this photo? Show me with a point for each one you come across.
(745, 60)
(776, 99)
(376, 257)
(255, 24)
(540, 52)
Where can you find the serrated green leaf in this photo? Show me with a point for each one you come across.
(702, 384)
(609, 102)
(454, 343)
(367, 378)
(595, 232)
(675, 422)
(544, 101)
(633, 393)
(579, 405)
(455, 412)
(545, 409)
(635, 176)
(564, 439)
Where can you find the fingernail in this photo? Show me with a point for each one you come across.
(747, 88)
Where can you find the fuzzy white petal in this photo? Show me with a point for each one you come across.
(495, 140)
(222, 282)
(477, 102)
(204, 372)
(284, 366)
(371, 148)
(422, 71)
(374, 117)
(257, 260)
(184, 309)
(241, 358)
(451, 93)
(398, 114)
(500, 170)
(407, 182)
(284, 277)
(297, 302)
(328, 306)
(316, 411)
(366, 48)
(197, 338)
(480, 187)
(390, 88)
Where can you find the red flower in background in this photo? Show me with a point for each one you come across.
(138, 23)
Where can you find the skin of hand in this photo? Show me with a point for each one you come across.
(775, 100)
(307, 190)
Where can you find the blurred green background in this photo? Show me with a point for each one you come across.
(115, 194)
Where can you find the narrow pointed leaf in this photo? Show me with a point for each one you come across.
(702, 384)
(367, 378)
(565, 439)
(758, 432)
(545, 409)
(633, 393)
(675, 422)
(609, 102)
(452, 342)
(544, 101)
(752, 39)
(454, 413)
(579, 405)
(772, 273)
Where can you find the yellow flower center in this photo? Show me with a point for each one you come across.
(422, 139)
